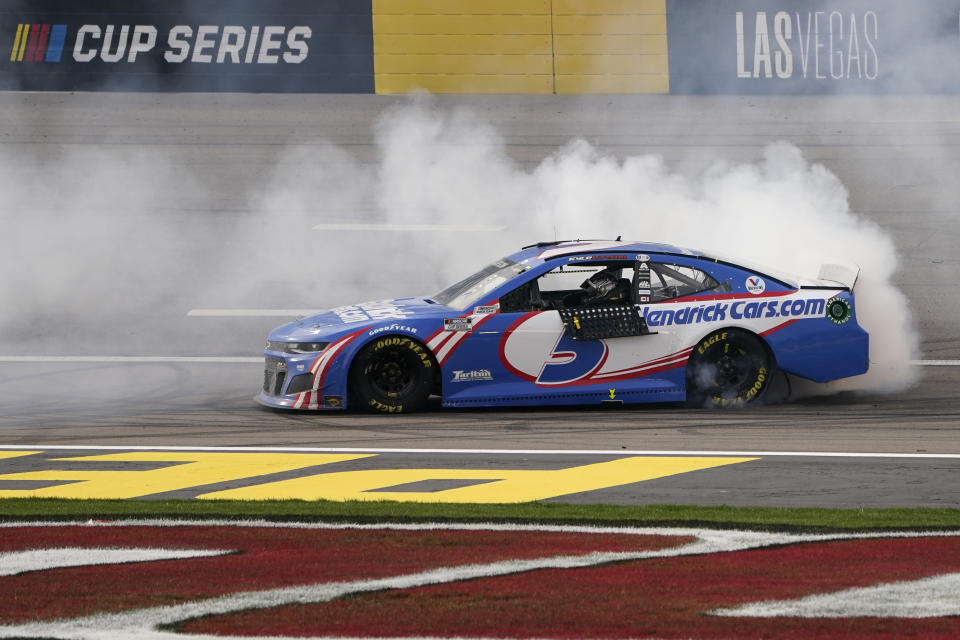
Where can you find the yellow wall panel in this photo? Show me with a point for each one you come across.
(463, 83)
(463, 44)
(520, 46)
(610, 24)
(590, 7)
(613, 84)
(568, 44)
(611, 64)
(413, 7)
(470, 64)
(462, 24)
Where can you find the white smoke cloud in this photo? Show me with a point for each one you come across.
(97, 239)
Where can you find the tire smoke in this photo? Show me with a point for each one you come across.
(99, 260)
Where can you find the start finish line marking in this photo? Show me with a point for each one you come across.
(196, 469)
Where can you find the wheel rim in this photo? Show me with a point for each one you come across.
(392, 375)
(731, 372)
(734, 368)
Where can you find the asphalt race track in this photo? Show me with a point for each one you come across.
(70, 378)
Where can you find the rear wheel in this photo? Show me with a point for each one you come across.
(728, 368)
(392, 374)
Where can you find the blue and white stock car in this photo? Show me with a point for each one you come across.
(585, 322)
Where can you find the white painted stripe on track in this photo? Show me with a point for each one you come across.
(551, 452)
(936, 363)
(393, 227)
(250, 313)
(136, 359)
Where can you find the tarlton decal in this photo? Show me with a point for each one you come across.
(377, 310)
(391, 328)
(797, 308)
(458, 324)
(471, 376)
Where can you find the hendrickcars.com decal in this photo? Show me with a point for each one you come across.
(259, 579)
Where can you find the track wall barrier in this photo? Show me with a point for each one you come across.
(483, 46)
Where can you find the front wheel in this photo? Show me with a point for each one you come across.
(392, 374)
(728, 368)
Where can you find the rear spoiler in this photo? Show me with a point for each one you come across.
(833, 274)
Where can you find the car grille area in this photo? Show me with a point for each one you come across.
(274, 375)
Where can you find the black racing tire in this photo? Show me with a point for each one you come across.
(392, 374)
(727, 369)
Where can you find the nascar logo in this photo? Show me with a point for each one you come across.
(38, 42)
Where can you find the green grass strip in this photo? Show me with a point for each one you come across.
(760, 518)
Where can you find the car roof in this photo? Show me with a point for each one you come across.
(546, 250)
(543, 251)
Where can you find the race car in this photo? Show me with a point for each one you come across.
(575, 322)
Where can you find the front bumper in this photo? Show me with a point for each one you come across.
(289, 382)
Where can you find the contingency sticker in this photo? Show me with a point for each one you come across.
(756, 285)
(458, 324)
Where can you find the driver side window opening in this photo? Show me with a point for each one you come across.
(573, 285)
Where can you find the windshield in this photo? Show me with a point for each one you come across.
(472, 288)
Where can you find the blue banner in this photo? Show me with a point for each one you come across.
(303, 46)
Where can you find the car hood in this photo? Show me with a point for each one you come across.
(333, 323)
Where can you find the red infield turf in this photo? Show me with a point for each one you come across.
(668, 597)
(661, 598)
